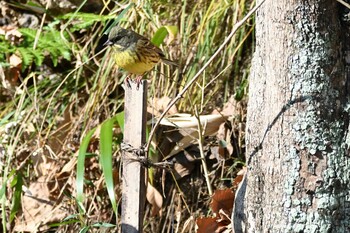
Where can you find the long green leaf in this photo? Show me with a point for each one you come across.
(16, 199)
(120, 120)
(103, 224)
(58, 224)
(4, 183)
(106, 136)
(81, 165)
(84, 229)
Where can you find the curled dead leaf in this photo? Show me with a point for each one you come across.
(155, 199)
(179, 131)
(11, 33)
(222, 200)
(157, 106)
(212, 225)
(185, 161)
(207, 225)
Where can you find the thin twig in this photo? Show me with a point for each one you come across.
(179, 96)
(201, 149)
(344, 3)
(37, 36)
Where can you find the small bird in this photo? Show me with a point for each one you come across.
(134, 53)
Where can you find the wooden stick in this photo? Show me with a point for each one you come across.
(134, 191)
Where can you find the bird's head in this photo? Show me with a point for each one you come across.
(119, 37)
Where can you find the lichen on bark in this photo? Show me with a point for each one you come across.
(298, 120)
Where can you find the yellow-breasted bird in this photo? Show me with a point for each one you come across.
(134, 53)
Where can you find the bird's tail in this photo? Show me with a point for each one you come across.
(169, 62)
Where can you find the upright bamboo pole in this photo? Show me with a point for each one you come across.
(133, 190)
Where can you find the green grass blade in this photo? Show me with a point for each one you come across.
(119, 18)
(103, 224)
(106, 136)
(58, 224)
(3, 188)
(120, 120)
(4, 183)
(84, 229)
(81, 165)
(72, 216)
(6, 177)
(16, 199)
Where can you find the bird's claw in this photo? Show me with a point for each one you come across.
(138, 81)
(127, 81)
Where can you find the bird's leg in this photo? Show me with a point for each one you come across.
(127, 81)
(138, 80)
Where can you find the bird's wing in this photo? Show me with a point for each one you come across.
(146, 43)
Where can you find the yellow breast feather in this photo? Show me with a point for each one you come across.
(129, 61)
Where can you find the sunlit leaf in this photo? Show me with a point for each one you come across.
(222, 199)
(120, 120)
(63, 223)
(84, 229)
(106, 136)
(81, 165)
(103, 224)
(16, 199)
(162, 32)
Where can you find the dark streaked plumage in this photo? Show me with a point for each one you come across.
(133, 52)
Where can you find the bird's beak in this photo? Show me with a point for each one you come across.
(108, 43)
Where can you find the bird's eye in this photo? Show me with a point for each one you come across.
(115, 39)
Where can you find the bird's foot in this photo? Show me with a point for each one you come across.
(127, 81)
(138, 81)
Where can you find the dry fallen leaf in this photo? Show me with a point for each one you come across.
(225, 148)
(14, 71)
(38, 208)
(43, 164)
(179, 131)
(207, 225)
(69, 167)
(222, 203)
(185, 161)
(231, 108)
(155, 199)
(156, 106)
(239, 177)
(15, 61)
(222, 200)
(11, 33)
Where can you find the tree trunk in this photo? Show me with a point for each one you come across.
(298, 177)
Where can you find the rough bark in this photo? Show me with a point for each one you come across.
(298, 162)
